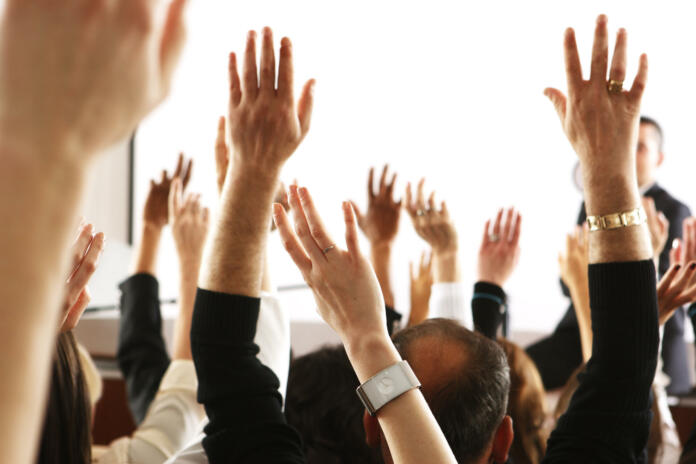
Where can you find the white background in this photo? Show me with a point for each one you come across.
(447, 90)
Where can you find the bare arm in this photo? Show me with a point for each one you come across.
(48, 102)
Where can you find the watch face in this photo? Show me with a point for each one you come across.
(385, 386)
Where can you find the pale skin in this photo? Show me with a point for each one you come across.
(499, 252)
(65, 95)
(421, 289)
(380, 224)
(189, 221)
(349, 299)
(435, 226)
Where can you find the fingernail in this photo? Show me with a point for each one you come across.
(677, 267)
(675, 243)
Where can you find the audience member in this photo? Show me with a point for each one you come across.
(420, 289)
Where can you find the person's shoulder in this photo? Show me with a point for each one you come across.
(667, 203)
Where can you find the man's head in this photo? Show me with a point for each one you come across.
(649, 153)
(465, 380)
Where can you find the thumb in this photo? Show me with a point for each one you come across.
(358, 214)
(558, 100)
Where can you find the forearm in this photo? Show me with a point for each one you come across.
(446, 265)
(187, 296)
(380, 256)
(41, 198)
(145, 258)
(580, 296)
(412, 433)
(234, 256)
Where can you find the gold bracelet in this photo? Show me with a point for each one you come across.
(634, 217)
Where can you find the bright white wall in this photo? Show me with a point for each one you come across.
(448, 90)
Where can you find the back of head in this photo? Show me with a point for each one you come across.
(66, 434)
(465, 381)
(526, 406)
(322, 406)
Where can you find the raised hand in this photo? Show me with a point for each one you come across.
(421, 288)
(380, 223)
(66, 90)
(499, 252)
(265, 125)
(86, 251)
(344, 285)
(432, 225)
(190, 222)
(658, 226)
(676, 288)
(155, 212)
(684, 249)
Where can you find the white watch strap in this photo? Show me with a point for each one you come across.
(386, 386)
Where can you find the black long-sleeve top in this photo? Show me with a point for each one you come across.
(142, 353)
(608, 419)
(488, 306)
(239, 393)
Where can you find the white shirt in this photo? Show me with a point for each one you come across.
(273, 339)
(448, 300)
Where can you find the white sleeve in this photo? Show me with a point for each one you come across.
(172, 420)
(448, 300)
(273, 339)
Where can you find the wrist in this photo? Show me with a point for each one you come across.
(253, 172)
(446, 265)
(611, 195)
(371, 353)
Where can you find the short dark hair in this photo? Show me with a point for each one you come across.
(66, 433)
(471, 402)
(322, 406)
(658, 128)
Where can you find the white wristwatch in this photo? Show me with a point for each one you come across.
(386, 386)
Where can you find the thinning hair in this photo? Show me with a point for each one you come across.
(469, 402)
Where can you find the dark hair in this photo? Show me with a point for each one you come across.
(323, 407)
(526, 406)
(651, 122)
(470, 402)
(66, 433)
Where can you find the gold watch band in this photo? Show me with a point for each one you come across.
(634, 217)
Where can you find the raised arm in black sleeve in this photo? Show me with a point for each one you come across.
(609, 416)
(488, 305)
(239, 393)
(142, 352)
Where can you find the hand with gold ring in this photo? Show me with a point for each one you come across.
(431, 223)
(345, 288)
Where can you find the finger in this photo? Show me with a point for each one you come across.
(618, 62)
(175, 198)
(517, 230)
(316, 226)
(89, 264)
(600, 53)
(173, 40)
(250, 83)
(76, 310)
(351, 230)
(507, 229)
(675, 254)
(383, 181)
(187, 173)
(559, 102)
(420, 197)
(235, 83)
(410, 207)
(639, 83)
(358, 214)
(163, 176)
(486, 235)
(422, 262)
(290, 241)
(444, 211)
(664, 283)
(371, 184)
(390, 187)
(81, 245)
(179, 165)
(267, 78)
(682, 279)
(285, 71)
(496, 225)
(221, 153)
(429, 264)
(431, 202)
(690, 238)
(572, 62)
(205, 215)
(305, 106)
(302, 226)
(649, 206)
(664, 222)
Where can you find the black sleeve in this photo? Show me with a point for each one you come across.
(142, 353)
(393, 316)
(488, 307)
(689, 452)
(239, 393)
(608, 419)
